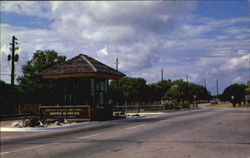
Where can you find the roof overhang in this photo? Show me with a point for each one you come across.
(90, 74)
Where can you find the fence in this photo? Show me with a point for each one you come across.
(24, 108)
(140, 106)
(155, 106)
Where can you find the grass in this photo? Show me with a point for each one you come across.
(228, 105)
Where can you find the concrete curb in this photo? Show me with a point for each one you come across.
(7, 129)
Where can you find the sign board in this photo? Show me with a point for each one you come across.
(247, 97)
(72, 113)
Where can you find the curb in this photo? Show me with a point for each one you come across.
(7, 129)
(170, 112)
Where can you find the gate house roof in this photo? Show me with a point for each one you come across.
(81, 66)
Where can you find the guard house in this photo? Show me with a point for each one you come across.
(82, 86)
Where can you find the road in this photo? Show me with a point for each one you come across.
(204, 133)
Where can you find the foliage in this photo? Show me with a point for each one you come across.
(178, 91)
(33, 88)
(158, 89)
(10, 98)
(247, 89)
(174, 93)
(136, 88)
(181, 91)
(235, 90)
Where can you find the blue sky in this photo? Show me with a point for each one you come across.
(202, 39)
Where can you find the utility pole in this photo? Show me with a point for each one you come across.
(14, 58)
(217, 88)
(205, 84)
(0, 64)
(249, 67)
(116, 66)
(116, 63)
(162, 75)
(186, 96)
(162, 85)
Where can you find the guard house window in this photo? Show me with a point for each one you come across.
(76, 92)
(67, 95)
(101, 90)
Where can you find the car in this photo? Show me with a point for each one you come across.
(213, 102)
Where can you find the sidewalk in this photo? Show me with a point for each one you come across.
(6, 125)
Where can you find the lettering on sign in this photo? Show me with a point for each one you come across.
(65, 112)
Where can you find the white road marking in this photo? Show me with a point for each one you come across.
(93, 135)
(28, 148)
(135, 126)
(164, 120)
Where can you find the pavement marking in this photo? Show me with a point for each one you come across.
(28, 148)
(135, 126)
(164, 120)
(93, 135)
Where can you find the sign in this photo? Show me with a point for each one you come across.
(73, 113)
(247, 97)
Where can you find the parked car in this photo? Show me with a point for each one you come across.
(213, 102)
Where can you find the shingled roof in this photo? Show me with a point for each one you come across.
(81, 66)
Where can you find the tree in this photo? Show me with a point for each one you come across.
(183, 93)
(200, 92)
(174, 93)
(159, 89)
(136, 87)
(33, 88)
(10, 98)
(234, 93)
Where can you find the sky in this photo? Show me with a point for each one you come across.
(204, 40)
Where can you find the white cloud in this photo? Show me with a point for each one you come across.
(237, 79)
(236, 63)
(193, 77)
(103, 52)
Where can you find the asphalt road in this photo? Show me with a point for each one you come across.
(205, 133)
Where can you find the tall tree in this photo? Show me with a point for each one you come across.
(33, 88)
(234, 93)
